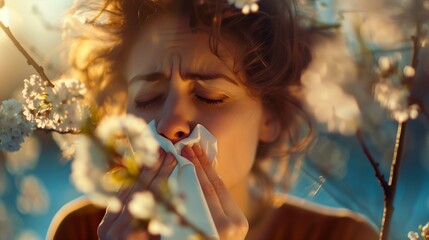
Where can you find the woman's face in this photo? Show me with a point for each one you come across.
(175, 79)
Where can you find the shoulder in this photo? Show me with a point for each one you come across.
(313, 221)
(77, 219)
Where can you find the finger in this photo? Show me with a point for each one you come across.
(123, 223)
(148, 174)
(105, 224)
(229, 206)
(113, 222)
(165, 171)
(112, 213)
(145, 178)
(210, 194)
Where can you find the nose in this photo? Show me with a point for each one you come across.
(174, 126)
(175, 119)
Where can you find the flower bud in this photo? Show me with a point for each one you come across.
(409, 71)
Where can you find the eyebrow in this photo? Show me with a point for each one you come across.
(151, 77)
(209, 76)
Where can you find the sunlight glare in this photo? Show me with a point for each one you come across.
(4, 16)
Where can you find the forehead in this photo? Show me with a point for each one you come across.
(167, 36)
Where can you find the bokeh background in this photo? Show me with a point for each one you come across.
(35, 182)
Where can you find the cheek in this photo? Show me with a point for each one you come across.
(237, 136)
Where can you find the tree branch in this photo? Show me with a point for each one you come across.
(397, 154)
(30, 60)
(375, 165)
(394, 175)
(50, 130)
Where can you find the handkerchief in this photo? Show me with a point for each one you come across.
(197, 210)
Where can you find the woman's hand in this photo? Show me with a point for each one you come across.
(118, 225)
(229, 219)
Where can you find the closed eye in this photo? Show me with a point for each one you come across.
(209, 101)
(144, 104)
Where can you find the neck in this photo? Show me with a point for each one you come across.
(254, 210)
(240, 193)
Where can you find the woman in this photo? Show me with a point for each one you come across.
(186, 62)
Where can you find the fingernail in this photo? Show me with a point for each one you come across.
(189, 151)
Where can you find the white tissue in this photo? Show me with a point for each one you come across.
(197, 210)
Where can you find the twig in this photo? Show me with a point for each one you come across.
(394, 175)
(416, 46)
(397, 154)
(30, 60)
(326, 27)
(375, 165)
(50, 130)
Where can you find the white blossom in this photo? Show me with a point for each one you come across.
(413, 111)
(14, 127)
(142, 205)
(123, 138)
(409, 71)
(381, 31)
(246, 6)
(384, 64)
(390, 93)
(72, 116)
(33, 90)
(68, 109)
(161, 220)
(11, 107)
(158, 227)
(413, 235)
(89, 166)
(66, 143)
(61, 107)
(129, 136)
(425, 229)
(89, 173)
(33, 197)
(324, 84)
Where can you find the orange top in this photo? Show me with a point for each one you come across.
(290, 219)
